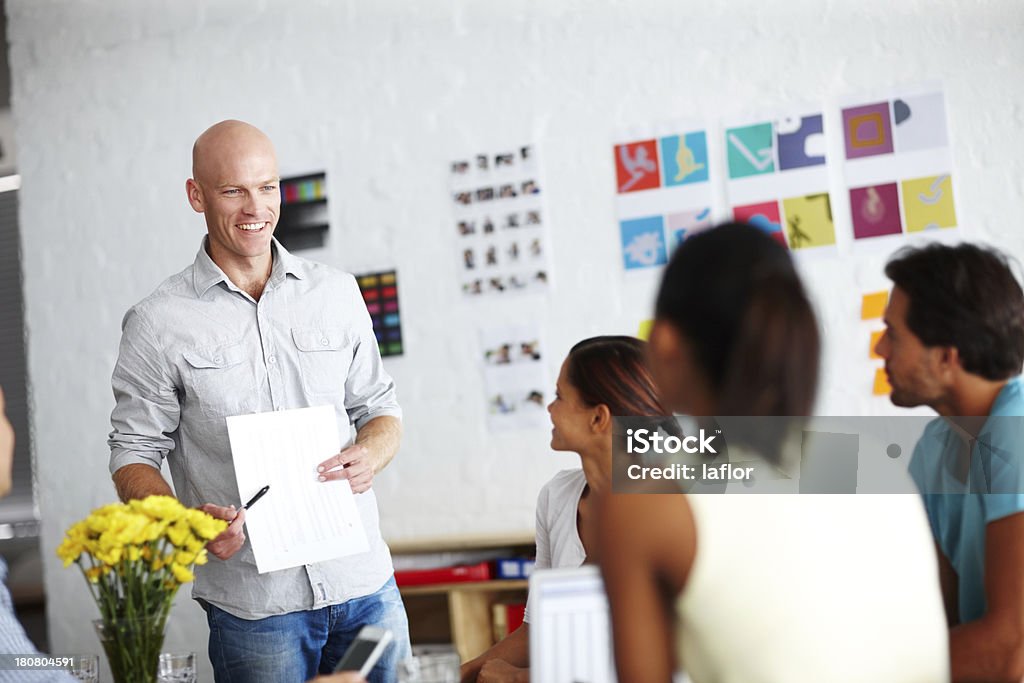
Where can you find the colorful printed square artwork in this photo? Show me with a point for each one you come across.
(876, 211)
(636, 166)
(750, 150)
(867, 130)
(801, 142)
(809, 221)
(928, 203)
(764, 216)
(684, 158)
(920, 122)
(685, 223)
(643, 242)
(380, 292)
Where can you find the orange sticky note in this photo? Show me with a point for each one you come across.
(873, 305)
(875, 336)
(644, 332)
(882, 386)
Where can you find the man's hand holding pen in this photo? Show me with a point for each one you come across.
(231, 540)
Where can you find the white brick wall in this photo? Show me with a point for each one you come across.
(108, 96)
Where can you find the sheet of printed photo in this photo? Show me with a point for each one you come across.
(499, 223)
(778, 178)
(897, 165)
(517, 384)
(663, 191)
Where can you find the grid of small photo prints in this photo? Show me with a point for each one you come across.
(499, 222)
(380, 292)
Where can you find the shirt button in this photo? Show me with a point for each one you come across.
(324, 341)
(272, 360)
(218, 359)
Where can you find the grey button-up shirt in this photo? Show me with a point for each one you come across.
(199, 349)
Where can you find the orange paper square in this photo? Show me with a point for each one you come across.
(875, 336)
(873, 305)
(882, 386)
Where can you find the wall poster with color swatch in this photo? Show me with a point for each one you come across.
(303, 223)
(380, 292)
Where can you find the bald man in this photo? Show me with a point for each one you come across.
(250, 328)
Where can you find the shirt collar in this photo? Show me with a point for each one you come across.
(1007, 395)
(206, 273)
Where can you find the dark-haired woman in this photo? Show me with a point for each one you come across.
(601, 378)
(767, 588)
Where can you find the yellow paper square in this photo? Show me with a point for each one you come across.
(875, 336)
(644, 332)
(882, 386)
(809, 221)
(873, 305)
(928, 203)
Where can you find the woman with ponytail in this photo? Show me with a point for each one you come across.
(774, 588)
(602, 378)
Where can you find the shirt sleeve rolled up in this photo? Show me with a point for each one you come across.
(146, 410)
(369, 389)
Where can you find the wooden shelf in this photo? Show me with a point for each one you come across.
(460, 612)
(440, 544)
(467, 587)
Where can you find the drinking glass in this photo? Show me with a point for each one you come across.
(85, 668)
(432, 667)
(176, 667)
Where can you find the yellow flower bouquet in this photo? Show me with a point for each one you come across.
(134, 557)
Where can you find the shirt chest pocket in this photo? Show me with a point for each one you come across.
(325, 356)
(220, 380)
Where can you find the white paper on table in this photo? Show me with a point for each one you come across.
(300, 520)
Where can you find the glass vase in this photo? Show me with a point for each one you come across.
(132, 646)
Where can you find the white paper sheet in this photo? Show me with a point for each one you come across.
(515, 376)
(300, 520)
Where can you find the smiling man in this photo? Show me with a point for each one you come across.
(250, 328)
(954, 341)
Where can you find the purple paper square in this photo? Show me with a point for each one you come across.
(876, 211)
(867, 130)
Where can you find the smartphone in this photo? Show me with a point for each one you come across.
(365, 650)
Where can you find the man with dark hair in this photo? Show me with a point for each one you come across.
(954, 341)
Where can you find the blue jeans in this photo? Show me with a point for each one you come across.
(293, 648)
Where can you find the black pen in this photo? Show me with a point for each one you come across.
(259, 494)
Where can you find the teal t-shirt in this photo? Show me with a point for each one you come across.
(963, 494)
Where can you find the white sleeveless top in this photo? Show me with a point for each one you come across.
(812, 588)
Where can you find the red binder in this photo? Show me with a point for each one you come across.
(466, 572)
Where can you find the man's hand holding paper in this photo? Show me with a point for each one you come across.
(302, 519)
